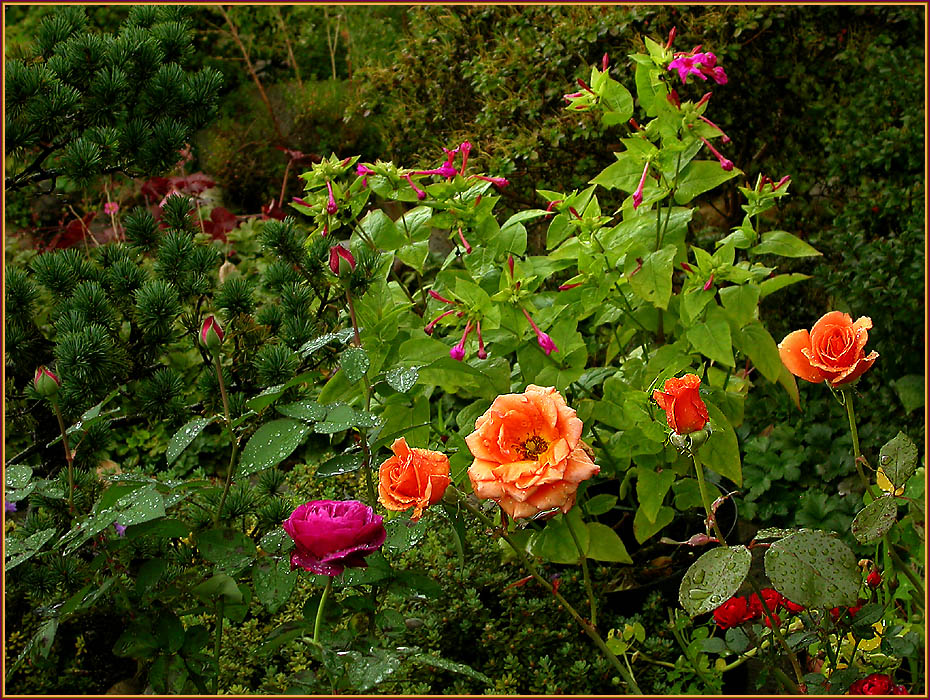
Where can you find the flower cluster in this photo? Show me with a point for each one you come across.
(703, 65)
(876, 684)
(739, 609)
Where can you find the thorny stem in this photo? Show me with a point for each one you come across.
(319, 610)
(69, 458)
(776, 630)
(711, 516)
(583, 561)
(232, 436)
(528, 565)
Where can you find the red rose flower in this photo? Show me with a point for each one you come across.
(682, 404)
(733, 612)
(874, 684)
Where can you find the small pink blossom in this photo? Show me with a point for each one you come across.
(438, 297)
(110, 208)
(464, 241)
(331, 206)
(482, 353)
(420, 193)
(458, 351)
(724, 137)
(498, 181)
(725, 163)
(545, 342)
(432, 324)
(638, 194)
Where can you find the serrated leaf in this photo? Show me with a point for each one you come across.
(340, 464)
(271, 444)
(355, 363)
(713, 579)
(402, 379)
(898, 459)
(184, 437)
(813, 569)
(875, 519)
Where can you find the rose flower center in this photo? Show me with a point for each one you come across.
(533, 447)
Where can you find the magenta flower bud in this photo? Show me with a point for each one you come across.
(763, 181)
(709, 283)
(584, 86)
(686, 267)
(458, 351)
(439, 297)
(703, 100)
(110, 208)
(572, 95)
(341, 261)
(331, 206)
(566, 287)
(545, 342)
(719, 75)
(674, 99)
(724, 138)
(482, 353)
(363, 170)
(781, 182)
(510, 265)
(465, 149)
(604, 62)
(464, 242)
(301, 202)
(211, 333)
(724, 162)
(432, 324)
(671, 38)
(498, 181)
(420, 193)
(638, 194)
(553, 204)
(575, 213)
(45, 382)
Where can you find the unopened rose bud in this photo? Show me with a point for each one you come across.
(46, 383)
(211, 333)
(341, 261)
(874, 579)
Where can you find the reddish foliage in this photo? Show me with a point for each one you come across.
(221, 222)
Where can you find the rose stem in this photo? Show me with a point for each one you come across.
(69, 458)
(583, 562)
(699, 470)
(528, 565)
(218, 645)
(232, 437)
(319, 610)
(776, 630)
(857, 455)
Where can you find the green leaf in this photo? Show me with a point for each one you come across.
(402, 535)
(713, 579)
(355, 363)
(229, 549)
(651, 487)
(340, 464)
(898, 459)
(605, 545)
(271, 444)
(365, 671)
(643, 528)
(712, 337)
(600, 504)
(875, 519)
(21, 550)
(446, 665)
(276, 542)
(813, 569)
(653, 282)
(307, 410)
(184, 437)
(756, 343)
(216, 587)
(402, 379)
(17, 476)
(555, 543)
(721, 451)
(149, 574)
(382, 231)
(414, 255)
(623, 175)
(693, 303)
(414, 223)
(741, 301)
(773, 284)
(273, 581)
(784, 244)
(700, 176)
(283, 634)
(910, 389)
(341, 417)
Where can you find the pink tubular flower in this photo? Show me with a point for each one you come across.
(725, 163)
(566, 287)
(671, 38)
(464, 149)
(510, 265)
(703, 100)
(781, 182)
(545, 342)
(362, 170)
(638, 194)
(110, 208)
(724, 138)
(439, 297)
(709, 283)
(301, 202)
(464, 242)
(331, 206)
(432, 324)
(572, 96)
(703, 65)
(604, 62)
(420, 193)
(498, 181)
(458, 351)
(482, 353)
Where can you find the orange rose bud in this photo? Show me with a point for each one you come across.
(832, 351)
(682, 404)
(412, 477)
(528, 453)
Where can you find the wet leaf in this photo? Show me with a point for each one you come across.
(713, 579)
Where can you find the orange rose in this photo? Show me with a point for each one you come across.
(528, 453)
(412, 477)
(682, 404)
(832, 351)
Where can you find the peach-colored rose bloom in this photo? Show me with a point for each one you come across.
(412, 477)
(528, 453)
(832, 351)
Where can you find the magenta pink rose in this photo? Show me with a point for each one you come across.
(332, 535)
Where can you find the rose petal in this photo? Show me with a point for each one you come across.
(791, 350)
